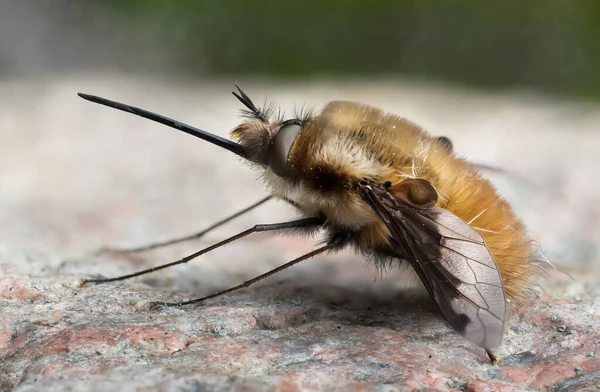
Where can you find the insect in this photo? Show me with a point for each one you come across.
(383, 185)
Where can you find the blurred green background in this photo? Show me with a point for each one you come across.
(181, 57)
(551, 46)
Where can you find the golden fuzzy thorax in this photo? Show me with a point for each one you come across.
(349, 142)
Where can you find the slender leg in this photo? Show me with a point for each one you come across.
(306, 224)
(248, 282)
(182, 239)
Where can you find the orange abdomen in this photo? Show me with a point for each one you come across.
(474, 199)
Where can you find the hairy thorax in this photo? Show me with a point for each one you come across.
(326, 184)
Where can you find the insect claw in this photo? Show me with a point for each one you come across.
(103, 251)
(84, 282)
(155, 306)
(493, 357)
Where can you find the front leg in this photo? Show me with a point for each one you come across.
(302, 226)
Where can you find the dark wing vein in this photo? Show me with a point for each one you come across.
(453, 263)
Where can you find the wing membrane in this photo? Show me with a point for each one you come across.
(453, 262)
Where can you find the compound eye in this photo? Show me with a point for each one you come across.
(279, 150)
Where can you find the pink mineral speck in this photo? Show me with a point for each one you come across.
(517, 374)
(17, 288)
(155, 339)
(552, 373)
(487, 386)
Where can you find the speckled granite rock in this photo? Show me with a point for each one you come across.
(76, 176)
(283, 335)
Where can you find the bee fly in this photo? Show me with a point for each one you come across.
(383, 185)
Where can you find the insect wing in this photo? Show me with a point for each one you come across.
(453, 262)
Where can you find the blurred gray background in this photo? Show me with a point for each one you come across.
(514, 85)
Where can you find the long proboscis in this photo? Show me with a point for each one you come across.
(199, 133)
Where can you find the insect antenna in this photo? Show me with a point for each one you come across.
(247, 102)
(144, 248)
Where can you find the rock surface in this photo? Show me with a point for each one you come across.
(76, 176)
